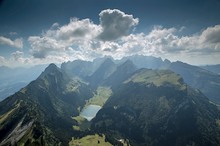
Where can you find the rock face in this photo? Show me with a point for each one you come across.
(147, 107)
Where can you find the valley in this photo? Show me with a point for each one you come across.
(92, 106)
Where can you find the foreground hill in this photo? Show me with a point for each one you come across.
(155, 107)
(40, 113)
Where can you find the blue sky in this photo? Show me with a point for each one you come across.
(38, 31)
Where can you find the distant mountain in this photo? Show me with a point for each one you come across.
(78, 68)
(40, 113)
(101, 72)
(81, 68)
(122, 72)
(105, 70)
(147, 62)
(206, 81)
(155, 107)
(212, 68)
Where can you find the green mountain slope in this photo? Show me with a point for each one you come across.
(155, 107)
(40, 114)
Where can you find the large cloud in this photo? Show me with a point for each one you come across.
(43, 46)
(82, 35)
(115, 24)
(82, 39)
(211, 35)
(210, 39)
(58, 39)
(17, 43)
(76, 30)
(166, 41)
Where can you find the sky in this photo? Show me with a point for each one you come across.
(36, 32)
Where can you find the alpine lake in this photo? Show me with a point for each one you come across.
(90, 111)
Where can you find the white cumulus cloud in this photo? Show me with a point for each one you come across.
(75, 34)
(115, 24)
(43, 46)
(17, 43)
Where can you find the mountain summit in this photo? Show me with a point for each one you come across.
(41, 112)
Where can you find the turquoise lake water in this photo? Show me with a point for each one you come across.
(90, 112)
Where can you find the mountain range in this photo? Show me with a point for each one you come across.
(153, 102)
(205, 78)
